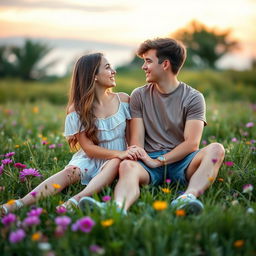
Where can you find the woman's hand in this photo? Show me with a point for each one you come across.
(130, 153)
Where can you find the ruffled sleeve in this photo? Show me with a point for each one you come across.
(72, 124)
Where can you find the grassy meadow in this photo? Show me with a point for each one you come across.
(31, 125)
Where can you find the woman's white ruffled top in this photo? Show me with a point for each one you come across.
(111, 135)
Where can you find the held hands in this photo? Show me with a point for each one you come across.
(132, 153)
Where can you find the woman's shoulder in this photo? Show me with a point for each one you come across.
(124, 97)
(71, 109)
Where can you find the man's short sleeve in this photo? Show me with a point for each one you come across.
(196, 108)
(136, 104)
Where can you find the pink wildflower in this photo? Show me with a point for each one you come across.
(35, 212)
(229, 163)
(62, 221)
(6, 161)
(52, 146)
(168, 181)
(29, 172)
(247, 188)
(249, 125)
(97, 249)
(106, 198)
(60, 145)
(20, 165)
(84, 224)
(9, 218)
(204, 142)
(17, 236)
(31, 221)
(234, 140)
(61, 209)
(10, 154)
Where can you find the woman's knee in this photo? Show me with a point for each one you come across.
(71, 172)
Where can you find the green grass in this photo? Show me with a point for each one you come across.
(144, 231)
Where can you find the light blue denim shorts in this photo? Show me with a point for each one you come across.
(176, 172)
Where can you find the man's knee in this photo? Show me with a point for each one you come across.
(217, 149)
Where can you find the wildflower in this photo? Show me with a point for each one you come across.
(166, 190)
(97, 249)
(214, 160)
(31, 221)
(20, 165)
(36, 236)
(11, 202)
(249, 125)
(62, 221)
(56, 186)
(1, 169)
(106, 198)
(44, 246)
(204, 142)
(107, 223)
(235, 202)
(10, 154)
(8, 219)
(35, 212)
(6, 161)
(160, 205)
(84, 224)
(29, 172)
(211, 179)
(17, 236)
(59, 231)
(17, 146)
(168, 181)
(35, 109)
(60, 145)
(180, 213)
(220, 179)
(61, 209)
(33, 193)
(52, 146)
(247, 188)
(229, 163)
(234, 139)
(250, 210)
(238, 243)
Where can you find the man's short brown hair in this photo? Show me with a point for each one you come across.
(166, 48)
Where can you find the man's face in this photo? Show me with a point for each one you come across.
(151, 66)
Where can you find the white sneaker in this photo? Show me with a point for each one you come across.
(88, 203)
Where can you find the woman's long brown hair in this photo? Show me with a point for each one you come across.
(82, 94)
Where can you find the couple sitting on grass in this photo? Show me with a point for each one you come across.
(146, 138)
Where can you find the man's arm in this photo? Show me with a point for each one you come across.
(137, 132)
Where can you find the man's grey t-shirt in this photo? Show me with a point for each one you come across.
(165, 115)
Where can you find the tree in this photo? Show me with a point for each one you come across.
(24, 62)
(204, 45)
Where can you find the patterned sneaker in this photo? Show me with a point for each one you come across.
(189, 203)
(88, 203)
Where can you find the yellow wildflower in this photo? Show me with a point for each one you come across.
(17, 146)
(166, 190)
(57, 186)
(107, 223)
(239, 243)
(180, 212)
(160, 205)
(35, 109)
(36, 236)
(11, 202)
(220, 179)
(211, 179)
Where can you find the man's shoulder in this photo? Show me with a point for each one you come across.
(189, 91)
(140, 90)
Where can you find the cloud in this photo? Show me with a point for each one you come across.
(64, 5)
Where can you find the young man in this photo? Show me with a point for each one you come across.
(168, 117)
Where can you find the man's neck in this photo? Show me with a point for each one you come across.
(167, 86)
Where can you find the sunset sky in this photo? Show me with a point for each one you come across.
(126, 21)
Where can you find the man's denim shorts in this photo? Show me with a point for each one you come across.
(176, 172)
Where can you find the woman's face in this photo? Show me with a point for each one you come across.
(106, 74)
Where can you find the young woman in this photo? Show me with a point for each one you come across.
(96, 122)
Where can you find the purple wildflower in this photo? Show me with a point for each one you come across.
(9, 218)
(1, 169)
(204, 142)
(234, 139)
(52, 146)
(35, 212)
(84, 224)
(10, 154)
(229, 163)
(29, 172)
(249, 125)
(61, 209)
(62, 221)
(31, 221)
(106, 198)
(60, 145)
(33, 193)
(20, 165)
(168, 181)
(6, 161)
(97, 249)
(17, 236)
